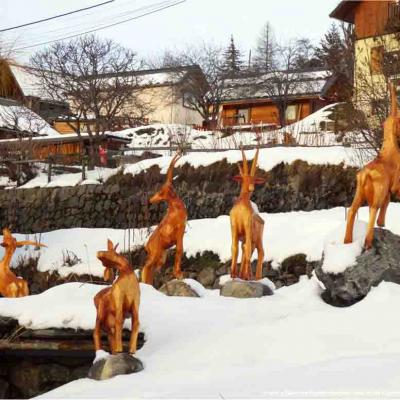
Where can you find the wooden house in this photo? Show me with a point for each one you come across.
(18, 82)
(247, 102)
(377, 48)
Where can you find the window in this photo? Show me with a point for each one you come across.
(291, 112)
(242, 115)
(377, 54)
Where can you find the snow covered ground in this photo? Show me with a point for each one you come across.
(285, 234)
(268, 159)
(307, 131)
(290, 344)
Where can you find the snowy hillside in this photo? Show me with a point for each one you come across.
(268, 159)
(285, 234)
(215, 347)
(307, 131)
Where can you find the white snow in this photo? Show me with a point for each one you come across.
(285, 234)
(339, 256)
(268, 159)
(94, 177)
(290, 344)
(23, 119)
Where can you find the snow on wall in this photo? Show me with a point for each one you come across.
(285, 234)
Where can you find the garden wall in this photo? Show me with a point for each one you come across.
(122, 202)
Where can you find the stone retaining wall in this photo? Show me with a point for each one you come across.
(208, 192)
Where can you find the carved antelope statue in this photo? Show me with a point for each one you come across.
(246, 224)
(169, 232)
(117, 302)
(379, 178)
(10, 285)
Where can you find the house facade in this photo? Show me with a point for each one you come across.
(377, 48)
(160, 96)
(251, 100)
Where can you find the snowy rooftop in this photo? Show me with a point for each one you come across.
(27, 81)
(299, 84)
(19, 118)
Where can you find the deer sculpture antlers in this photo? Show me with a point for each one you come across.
(117, 302)
(246, 224)
(169, 232)
(10, 285)
(379, 178)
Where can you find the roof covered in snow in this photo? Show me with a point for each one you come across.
(15, 117)
(27, 80)
(275, 83)
(161, 76)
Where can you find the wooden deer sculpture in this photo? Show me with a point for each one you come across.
(117, 302)
(10, 285)
(169, 232)
(379, 178)
(246, 224)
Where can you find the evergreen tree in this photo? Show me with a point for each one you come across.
(336, 52)
(233, 61)
(331, 49)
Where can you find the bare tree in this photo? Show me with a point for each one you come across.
(265, 52)
(204, 91)
(98, 78)
(283, 83)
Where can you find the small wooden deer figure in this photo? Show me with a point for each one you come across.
(379, 178)
(116, 303)
(10, 285)
(169, 232)
(246, 224)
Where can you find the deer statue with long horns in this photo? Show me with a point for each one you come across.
(117, 302)
(379, 178)
(169, 232)
(10, 285)
(246, 224)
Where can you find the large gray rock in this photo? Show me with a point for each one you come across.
(380, 263)
(113, 365)
(178, 288)
(245, 289)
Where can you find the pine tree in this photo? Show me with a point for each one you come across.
(265, 51)
(331, 49)
(233, 61)
(336, 52)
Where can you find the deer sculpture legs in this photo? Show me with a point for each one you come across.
(375, 190)
(254, 241)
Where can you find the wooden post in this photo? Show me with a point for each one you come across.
(49, 170)
(84, 167)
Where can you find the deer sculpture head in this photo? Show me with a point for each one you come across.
(110, 260)
(392, 123)
(247, 178)
(11, 244)
(166, 191)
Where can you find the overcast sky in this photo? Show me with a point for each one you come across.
(178, 26)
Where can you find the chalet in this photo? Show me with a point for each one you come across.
(19, 83)
(163, 96)
(377, 47)
(247, 101)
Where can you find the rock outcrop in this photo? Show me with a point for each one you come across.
(380, 263)
(245, 289)
(113, 365)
